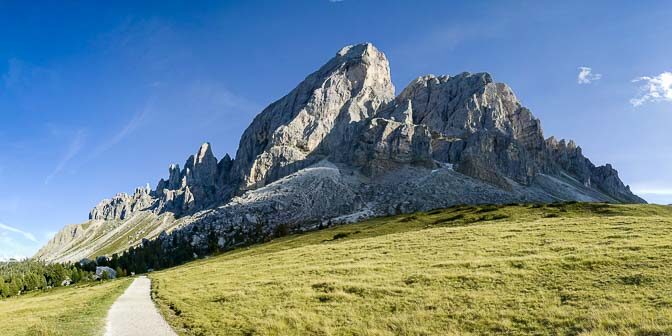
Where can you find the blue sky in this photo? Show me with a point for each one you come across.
(100, 97)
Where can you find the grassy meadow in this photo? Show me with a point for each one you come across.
(570, 269)
(76, 310)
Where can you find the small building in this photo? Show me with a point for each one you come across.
(111, 274)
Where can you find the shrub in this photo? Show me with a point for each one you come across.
(340, 235)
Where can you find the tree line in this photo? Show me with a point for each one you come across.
(29, 275)
(164, 252)
(157, 254)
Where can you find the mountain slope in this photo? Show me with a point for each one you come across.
(561, 269)
(340, 148)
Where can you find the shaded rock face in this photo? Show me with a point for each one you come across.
(202, 183)
(341, 147)
(606, 179)
(477, 122)
(386, 144)
(569, 157)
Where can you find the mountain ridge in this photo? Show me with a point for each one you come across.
(341, 147)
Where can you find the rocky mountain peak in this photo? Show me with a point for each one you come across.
(361, 50)
(122, 205)
(201, 183)
(204, 153)
(463, 104)
(201, 169)
(315, 117)
(341, 147)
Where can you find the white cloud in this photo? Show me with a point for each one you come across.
(73, 149)
(658, 88)
(586, 76)
(18, 244)
(12, 248)
(25, 234)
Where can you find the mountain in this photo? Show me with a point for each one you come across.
(341, 147)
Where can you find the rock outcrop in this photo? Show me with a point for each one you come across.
(477, 122)
(202, 183)
(569, 157)
(341, 147)
(385, 144)
(122, 205)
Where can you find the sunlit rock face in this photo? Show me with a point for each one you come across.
(316, 118)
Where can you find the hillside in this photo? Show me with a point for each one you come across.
(558, 269)
(64, 311)
(342, 146)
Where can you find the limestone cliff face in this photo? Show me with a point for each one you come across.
(477, 122)
(341, 147)
(315, 118)
(385, 144)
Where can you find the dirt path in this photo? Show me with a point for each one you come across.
(134, 313)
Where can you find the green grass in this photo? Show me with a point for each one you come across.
(76, 310)
(124, 239)
(572, 269)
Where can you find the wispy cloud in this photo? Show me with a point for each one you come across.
(21, 74)
(653, 191)
(586, 75)
(445, 38)
(657, 88)
(215, 101)
(125, 131)
(657, 187)
(25, 234)
(73, 149)
(12, 247)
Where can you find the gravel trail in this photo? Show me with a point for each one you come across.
(134, 313)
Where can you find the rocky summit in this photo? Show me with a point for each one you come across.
(339, 148)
